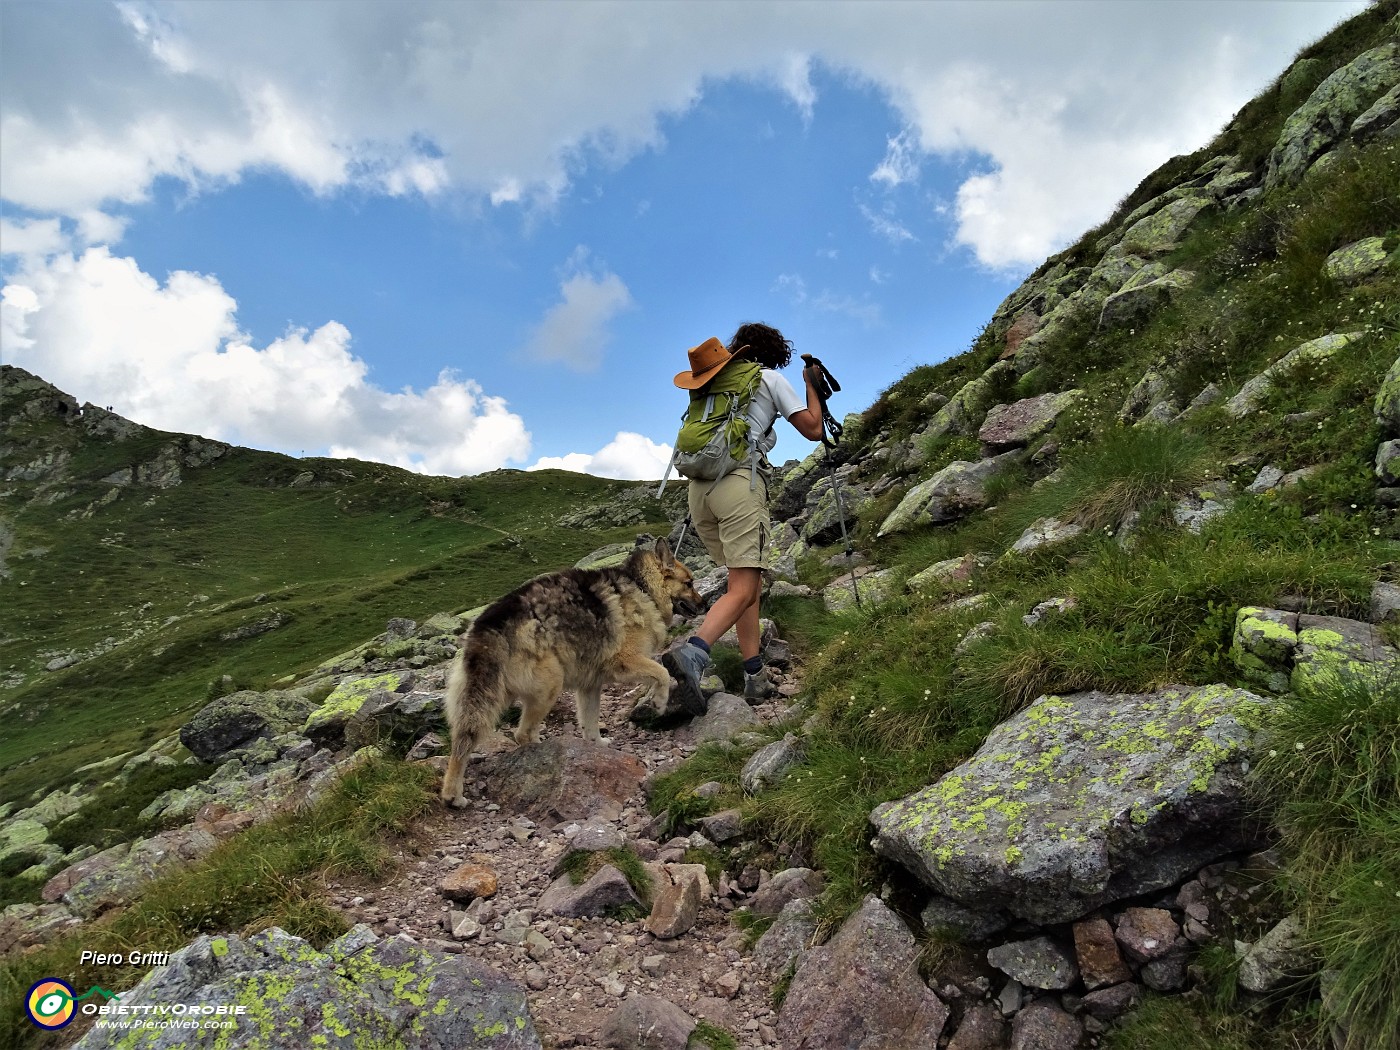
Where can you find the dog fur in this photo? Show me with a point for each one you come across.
(578, 629)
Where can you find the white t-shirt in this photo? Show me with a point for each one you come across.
(774, 395)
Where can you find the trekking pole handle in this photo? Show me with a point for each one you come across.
(825, 384)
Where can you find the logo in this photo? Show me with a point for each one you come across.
(50, 1003)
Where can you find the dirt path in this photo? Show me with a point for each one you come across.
(578, 971)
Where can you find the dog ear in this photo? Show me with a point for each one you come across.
(663, 551)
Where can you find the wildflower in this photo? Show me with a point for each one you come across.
(1298, 746)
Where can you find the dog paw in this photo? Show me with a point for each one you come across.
(460, 802)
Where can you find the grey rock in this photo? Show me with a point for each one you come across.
(976, 634)
(785, 887)
(1357, 262)
(964, 411)
(1387, 404)
(982, 1028)
(785, 942)
(1382, 115)
(1312, 353)
(604, 892)
(647, 1023)
(950, 573)
(1044, 1026)
(1160, 232)
(236, 720)
(1108, 1004)
(1277, 958)
(769, 763)
(948, 917)
(862, 989)
(875, 586)
(1388, 462)
(1332, 647)
(1142, 295)
(728, 716)
(1147, 934)
(1052, 605)
(593, 836)
(1021, 422)
(1195, 512)
(1123, 794)
(724, 826)
(954, 492)
(1265, 481)
(1037, 963)
(1264, 645)
(359, 989)
(1385, 601)
(1045, 532)
(116, 876)
(395, 720)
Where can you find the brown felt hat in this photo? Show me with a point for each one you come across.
(705, 362)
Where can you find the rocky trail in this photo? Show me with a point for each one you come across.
(578, 969)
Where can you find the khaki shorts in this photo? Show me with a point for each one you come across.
(732, 519)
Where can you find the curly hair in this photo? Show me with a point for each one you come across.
(766, 345)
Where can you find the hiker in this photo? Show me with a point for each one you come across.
(731, 513)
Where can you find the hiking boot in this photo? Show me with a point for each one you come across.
(759, 687)
(686, 663)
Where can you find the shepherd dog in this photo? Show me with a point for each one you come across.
(573, 630)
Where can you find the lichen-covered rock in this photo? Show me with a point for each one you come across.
(1388, 462)
(1263, 646)
(1387, 406)
(875, 587)
(115, 876)
(1045, 532)
(965, 409)
(1381, 118)
(1313, 352)
(1144, 293)
(1358, 261)
(1082, 800)
(1160, 232)
(395, 719)
(326, 724)
(238, 719)
(833, 511)
(862, 989)
(954, 492)
(359, 991)
(949, 573)
(1146, 392)
(1021, 422)
(1326, 117)
(1279, 957)
(20, 838)
(1332, 649)
(1036, 963)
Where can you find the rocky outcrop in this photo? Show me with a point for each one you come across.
(1082, 800)
(1291, 652)
(1313, 353)
(236, 720)
(862, 989)
(954, 492)
(1018, 424)
(359, 990)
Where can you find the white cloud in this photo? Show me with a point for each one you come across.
(886, 226)
(574, 331)
(1064, 106)
(627, 457)
(795, 288)
(171, 356)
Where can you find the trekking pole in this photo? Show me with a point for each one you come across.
(825, 384)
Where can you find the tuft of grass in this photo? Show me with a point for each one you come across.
(1333, 772)
(707, 1036)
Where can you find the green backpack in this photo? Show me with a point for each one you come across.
(714, 438)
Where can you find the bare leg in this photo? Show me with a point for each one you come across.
(740, 598)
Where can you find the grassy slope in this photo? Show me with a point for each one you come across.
(164, 574)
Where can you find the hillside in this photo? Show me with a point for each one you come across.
(1107, 753)
(144, 571)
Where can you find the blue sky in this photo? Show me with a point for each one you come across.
(458, 236)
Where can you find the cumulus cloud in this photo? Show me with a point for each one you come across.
(172, 356)
(1064, 104)
(627, 457)
(574, 331)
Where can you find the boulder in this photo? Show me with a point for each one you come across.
(1388, 462)
(787, 940)
(948, 917)
(1387, 405)
(1021, 422)
(950, 573)
(606, 891)
(954, 492)
(862, 989)
(1324, 119)
(1142, 294)
(1044, 1026)
(1160, 232)
(832, 511)
(676, 909)
(1382, 120)
(1331, 648)
(236, 720)
(727, 717)
(396, 720)
(1096, 949)
(326, 724)
(785, 887)
(964, 410)
(876, 587)
(1045, 532)
(1148, 934)
(1279, 957)
(116, 876)
(1082, 800)
(1263, 646)
(359, 991)
(982, 1028)
(644, 1022)
(1358, 261)
(1312, 353)
(561, 778)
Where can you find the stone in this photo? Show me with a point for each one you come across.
(1045, 532)
(1263, 646)
(1357, 262)
(561, 778)
(1195, 512)
(724, 826)
(1108, 1004)
(949, 574)
(1142, 296)
(1385, 602)
(116, 875)
(607, 891)
(1160, 232)
(647, 1023)
(1387, 403)
(1278, 958)
(469, 882)
(395, 720)
(236, 720)
(831, 506)
(1019, 423)
(594, 836)
(1147, 934)
(876, 587)
(1150, 389)
(770, 763)
(1036, 963)
(1044, 1026)
(727, 717)
(1379, 120)
(862, 988)
(1388, 462)
(785, 887)
(359, 990)
(1082, 800)
(1320, 123)
(977, 633)
(1313, 353)
(1096, 950)
(942, 915)
(982, 1028)
(964, 411)
(1167, 974)
(1265, 481)
(1045, 608)
(326, 724)
(784, 942)
(1332, 648)
(954, 492)
(676, 909)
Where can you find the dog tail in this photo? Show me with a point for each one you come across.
(472, 705)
